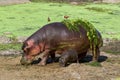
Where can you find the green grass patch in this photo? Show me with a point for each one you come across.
(14, 46)
(97, 9)
(118, 78)
(112, 52)
(25, 19)
(12, 37)
(95, 64)
(46, 0)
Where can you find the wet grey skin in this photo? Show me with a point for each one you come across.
(68, 56)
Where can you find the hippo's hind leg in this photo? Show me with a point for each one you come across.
(82, 55)
(52, 54)
(96, 53)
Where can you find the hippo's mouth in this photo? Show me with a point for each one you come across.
(25, 61)
(34, 60)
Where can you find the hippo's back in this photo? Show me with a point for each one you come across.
(60, 31)
(60, 36)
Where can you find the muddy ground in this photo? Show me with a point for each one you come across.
(11, 69)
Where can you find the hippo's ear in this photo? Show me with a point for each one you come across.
(29, 44)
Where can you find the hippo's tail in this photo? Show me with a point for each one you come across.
(100, 40)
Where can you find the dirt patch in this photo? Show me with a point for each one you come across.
(10, 52)
(8, 2)
(112, 46)
(111, 1)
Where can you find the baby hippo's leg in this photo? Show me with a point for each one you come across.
(62, 62)
(64, 59)
(68, 56)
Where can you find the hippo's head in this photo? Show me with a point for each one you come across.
(30, 50)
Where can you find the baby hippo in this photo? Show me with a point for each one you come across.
(68, 56)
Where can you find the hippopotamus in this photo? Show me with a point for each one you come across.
(68, 56)
(55, 38)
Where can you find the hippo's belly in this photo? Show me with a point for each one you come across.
(79, 45)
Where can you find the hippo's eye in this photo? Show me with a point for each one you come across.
(24, 51)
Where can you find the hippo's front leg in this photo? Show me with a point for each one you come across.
(44, 58)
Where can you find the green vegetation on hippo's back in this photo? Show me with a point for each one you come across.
(91, 30)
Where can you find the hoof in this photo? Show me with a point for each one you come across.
(41, 64)
(93, 61)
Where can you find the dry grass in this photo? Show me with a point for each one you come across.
(8, 2)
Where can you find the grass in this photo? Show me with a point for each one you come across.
(25, 19)
(97, 9)
(14, 46)
(118, 78)
(112, 52)
(95, 64)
